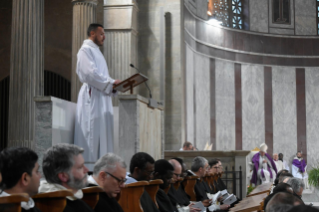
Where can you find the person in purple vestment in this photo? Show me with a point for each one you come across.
(299, 168)
(264, 170)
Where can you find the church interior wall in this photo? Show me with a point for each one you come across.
(253, 105)
(302, 14)
(312, 114)
(284, 111)
(159, 57)
(271, 103)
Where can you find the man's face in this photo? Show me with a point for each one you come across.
(98, 36)
(299, 155)
(177, 172)
(147, 173)
(220, 167)
(214, 169)
(204, 170)
(111, 185)
(78, 173)
(32, 188)
(262, 153)
(275, 157)
(300, 192)
(167, 179)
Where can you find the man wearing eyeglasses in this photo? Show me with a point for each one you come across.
(109, 173)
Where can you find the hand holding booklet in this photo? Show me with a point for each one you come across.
(200, 206)
(230, 199)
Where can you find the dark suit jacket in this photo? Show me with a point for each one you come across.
(164, 203)
(34, 209)
(106, 203)
(178, 196)
(76, 206)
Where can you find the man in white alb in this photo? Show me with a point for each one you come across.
(279, 163)
(94, 112)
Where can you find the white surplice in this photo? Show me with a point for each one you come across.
(94, 112)
(263, 166)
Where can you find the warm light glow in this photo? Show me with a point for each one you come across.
(209, 13)
(214, 22)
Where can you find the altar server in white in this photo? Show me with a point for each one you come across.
(94, 112)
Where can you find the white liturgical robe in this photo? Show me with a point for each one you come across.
(94, 112)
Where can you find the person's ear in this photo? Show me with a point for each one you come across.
(92, 33)
(136, 170)
(25, 179)
(64, 177)
(102, 175)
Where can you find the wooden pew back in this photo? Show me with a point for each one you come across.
(189, 184)
(52, 201)
(152, 189)
(91, 195)
(12, 203)
(129, 198)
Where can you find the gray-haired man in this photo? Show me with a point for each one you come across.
(297, 186)
(110, 174)
(63, 168)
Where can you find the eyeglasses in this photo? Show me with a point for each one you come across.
(118, 180)
(177, 175)
(215, 167)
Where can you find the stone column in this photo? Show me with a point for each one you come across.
(120, 45)
(84, 13)
(26, 69)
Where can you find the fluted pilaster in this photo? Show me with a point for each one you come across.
(84, 13)
(26, 69)
(120, 45)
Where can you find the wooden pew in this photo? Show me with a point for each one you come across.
(189, 184)
(250, 204)
(263, 188)
(178, 183)
(52, 201)
(91, 195)
(129, 198)
(12, 203)
(152, 189)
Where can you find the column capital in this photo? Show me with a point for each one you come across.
(85, 1)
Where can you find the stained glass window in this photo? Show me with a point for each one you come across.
(229, 12)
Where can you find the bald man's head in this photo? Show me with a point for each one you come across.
(177, 169)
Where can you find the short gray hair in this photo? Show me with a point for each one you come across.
(197, 163)
(108, 163)
(59, 158)
(296, 184)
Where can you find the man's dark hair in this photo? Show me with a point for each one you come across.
(303, 208)
(140, 160)
(283, 175)
(93, 27)
(187, 144)
(282, 187)
(162, 166)
(213, 162)
(15, 162)
(278, 174)
(57, 159)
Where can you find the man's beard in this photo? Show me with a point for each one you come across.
(96, 41)
(77, 183)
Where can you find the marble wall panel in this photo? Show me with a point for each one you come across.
(253, 115)
(284, 111)
(202, 98)
(258, 15)
(189, 95)
(282, 31)
(225, 105)
(312, 115)
(305, 15)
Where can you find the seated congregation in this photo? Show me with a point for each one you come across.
(150, 186)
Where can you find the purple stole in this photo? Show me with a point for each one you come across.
(255, 160)
(299, 164)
